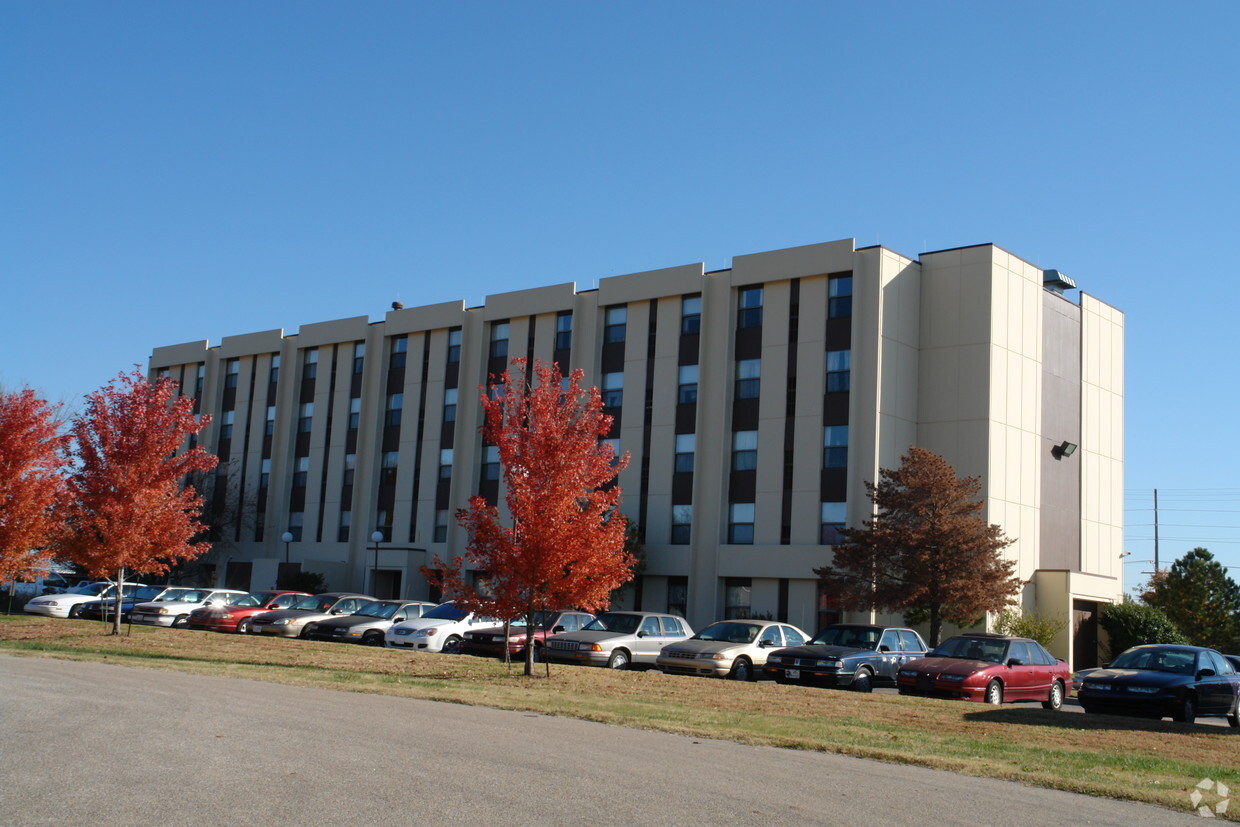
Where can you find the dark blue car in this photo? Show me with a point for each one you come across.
(1165, 681)
(847, 655)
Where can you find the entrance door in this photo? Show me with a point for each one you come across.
(237, 575)
(386, 584)
(1084, 634)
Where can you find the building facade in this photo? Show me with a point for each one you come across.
(755, 403)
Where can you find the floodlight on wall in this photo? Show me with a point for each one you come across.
(1064, 449)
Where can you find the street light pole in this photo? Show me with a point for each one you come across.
(286, 538)
(376, 538)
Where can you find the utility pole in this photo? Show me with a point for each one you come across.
(1155, 530)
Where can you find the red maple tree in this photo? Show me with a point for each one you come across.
(129, 506)
(32, 488)
(565, 544)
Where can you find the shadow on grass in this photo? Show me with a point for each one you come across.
(1074, 721)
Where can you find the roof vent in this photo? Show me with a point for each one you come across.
(1057, 282)
(398, 306)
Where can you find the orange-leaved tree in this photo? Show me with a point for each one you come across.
(31, 486)
(927, 552)
(130, 508)
(563, 544)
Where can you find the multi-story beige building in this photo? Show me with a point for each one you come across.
(755, 403)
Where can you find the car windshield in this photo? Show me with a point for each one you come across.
(172, 594)
(729, 632)
(314, 604)
(242, 601)
(447, 611)
(852, 637)
(383, 609)
(264, 598)
(1156, 659)
(614, 622)
(972, 648)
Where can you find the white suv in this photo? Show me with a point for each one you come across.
(70, 603)
(439, 630)
(176, 613)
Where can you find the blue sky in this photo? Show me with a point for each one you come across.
(175, 171)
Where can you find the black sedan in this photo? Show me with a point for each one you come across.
(847, 655)
(1165, 680)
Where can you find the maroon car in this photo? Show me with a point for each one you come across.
(990, 668)
(235, 617)
(490, 642)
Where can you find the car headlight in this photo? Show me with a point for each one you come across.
(1097, 687)
(715, 656)
(47, 603)
(1144, 690)
(589, 647)
(828, 663)
(283, 621)
(952, 678)
(908, 673)
(163, 611)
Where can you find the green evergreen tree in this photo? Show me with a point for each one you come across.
(1200, 598)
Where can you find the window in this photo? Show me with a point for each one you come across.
(302, 473)
(771, 636)
(395, 402)
(201, 378)
(685, 446)
(650, 627)
(383, 524)
(737, 597)
(398, 350)
(835, 446)
(264, 476)
(564, 331)
(454, 345)
(744, 450)
(910, 642)
(310, 368)
(342, 531)
(677, 596)
(690, 315)
(441, 526)
(613, 390)
(748, 378)
(749, 308)
(614, 324)
(833, 516)
(449, 405)
(231, 372)
(294, 524)
(445, 463)
(687, 393)
(350, 465)
(682, 524)
(305, 415)
(839, 297)
(270, 426)
(839, 363)
(499, 340)
(355, 412)
(740, 523)
(490, 462)
(226, 424)
(792, 637)
(359, 356)
(274, 375)
(672, 627)
(387, 473)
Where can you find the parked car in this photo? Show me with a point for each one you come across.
(70, 603)
(368, 624)
(101, 609)
(1164, 680)
(490, 642)
(176, 612)
(847, 655)
(291, 622)
(1234, 660)
(237, 615)
(994, 669)
(440, 630)
(619, 640)
(736, 649)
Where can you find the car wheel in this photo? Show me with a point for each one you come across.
(243, 626)
(304, 634)
(863, 681)
(180, 621)
(452, 646)
(1186, 710)
(994, 693)
(75, 612)
(372, 639)
(742, 670)
(1055, 699)
(619, 660)
(1234, 717)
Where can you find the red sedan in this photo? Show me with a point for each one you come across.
(235, 617)
(990, 668)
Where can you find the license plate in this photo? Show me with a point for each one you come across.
(792, 674)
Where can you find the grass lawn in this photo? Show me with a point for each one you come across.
(1132, 759)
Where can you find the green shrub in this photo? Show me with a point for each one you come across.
(1032, 625)
(1132, 624)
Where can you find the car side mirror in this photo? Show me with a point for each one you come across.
(1015, 662)
(1206, 673)
(1106, 666)
(556, 630)
(884, 648)
(641, 634)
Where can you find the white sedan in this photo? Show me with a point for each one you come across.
(439, 630)
(70, 603)
(176, 613)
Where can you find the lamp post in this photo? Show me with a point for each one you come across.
(376, 538)
(286, 538)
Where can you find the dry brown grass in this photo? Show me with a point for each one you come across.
(1132, 759)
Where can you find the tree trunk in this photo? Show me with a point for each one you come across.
(116, 611)
(529, 644)
(507, 654)
(936, 624)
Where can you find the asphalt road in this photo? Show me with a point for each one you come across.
(111, 745)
